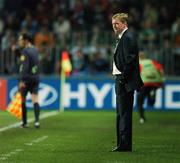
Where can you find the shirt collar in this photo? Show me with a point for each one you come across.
(120, 35)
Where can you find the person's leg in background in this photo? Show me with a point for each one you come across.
(24, 109)
(35, 101)
(151, 99)
(140, 101)
(36, 109)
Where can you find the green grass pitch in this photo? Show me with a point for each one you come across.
(88, 136)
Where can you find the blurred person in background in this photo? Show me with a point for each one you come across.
(62, 28)
(11, 22)
(152, 75)
(99, 63)
(29, 24)
(77, 15)
(8, 39)
(44, 41)
(148, 34)
(1, 26)
(44, 36)
(29, 77)
(150, 13)
(79, 62)
(176, 45)
(127, 80)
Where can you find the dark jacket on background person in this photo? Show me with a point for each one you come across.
(29, 65)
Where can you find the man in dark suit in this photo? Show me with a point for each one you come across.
(127, 80)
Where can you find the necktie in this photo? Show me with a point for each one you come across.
(117, 41)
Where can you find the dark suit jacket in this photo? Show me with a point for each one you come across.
(127, 61)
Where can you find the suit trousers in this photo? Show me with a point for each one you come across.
(124, 108)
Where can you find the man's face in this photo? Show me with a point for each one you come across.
(21, 42)
(118, 26)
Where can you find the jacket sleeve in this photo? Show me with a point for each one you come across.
(24, 67)
(130, 55)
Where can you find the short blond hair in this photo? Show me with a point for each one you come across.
(142, 55)
(123, 17)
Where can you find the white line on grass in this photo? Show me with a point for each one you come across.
(36, 140)
(7, 155)
(45, 115)
(16, 151)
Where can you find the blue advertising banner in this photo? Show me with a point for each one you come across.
(88, 93)
(48, 93)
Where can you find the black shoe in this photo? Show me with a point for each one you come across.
(120, 149)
